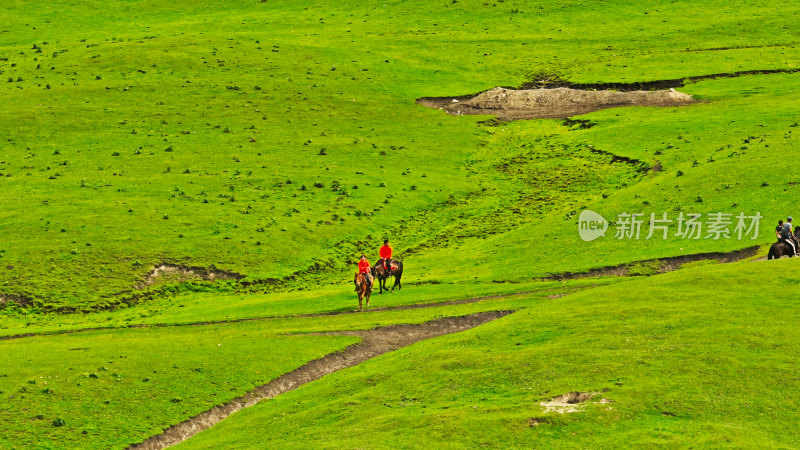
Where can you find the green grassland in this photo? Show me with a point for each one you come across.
(683, 363)
(191, 308)
(269, 138)
(280, 140)
(104, 388)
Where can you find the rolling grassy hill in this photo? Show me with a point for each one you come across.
(273, 142)
(673, 361)
(270, 138)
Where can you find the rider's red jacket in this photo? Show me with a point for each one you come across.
(386, 252)
(363, 266)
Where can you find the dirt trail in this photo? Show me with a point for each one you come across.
(262, 318)
(661, 265)
(555, 81)
(373, 343)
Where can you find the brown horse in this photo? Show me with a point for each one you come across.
(361, 288)
(381, 274)
(782, 248)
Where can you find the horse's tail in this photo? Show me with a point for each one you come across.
(771, 254)
(399, 273)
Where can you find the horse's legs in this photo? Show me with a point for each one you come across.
(397, 284)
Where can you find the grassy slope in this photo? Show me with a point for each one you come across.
(120, 386)
(88, 156)
(179, 76)
(116, 388)
(684, 362)
(191, 308)
(709, 143)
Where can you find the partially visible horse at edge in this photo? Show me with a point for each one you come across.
(362, 290)
(782, 248)
(381, 274)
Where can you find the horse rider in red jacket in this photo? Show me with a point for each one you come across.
(386, 254)
(363, 268)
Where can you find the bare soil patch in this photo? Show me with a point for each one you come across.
(373, 343)
(543, 97)
(171, 273)
(552, 103)
(536, 421)
(567, 403)
(20, 300)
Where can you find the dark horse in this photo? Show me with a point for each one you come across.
(360, 281)
(782, 248)
(381, 274)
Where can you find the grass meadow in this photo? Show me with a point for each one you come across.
(278, 141)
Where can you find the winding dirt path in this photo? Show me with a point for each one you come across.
(373, 343)
(668, 264)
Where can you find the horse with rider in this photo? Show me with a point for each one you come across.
(385, 267)
(363, 281)
(788, 240)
